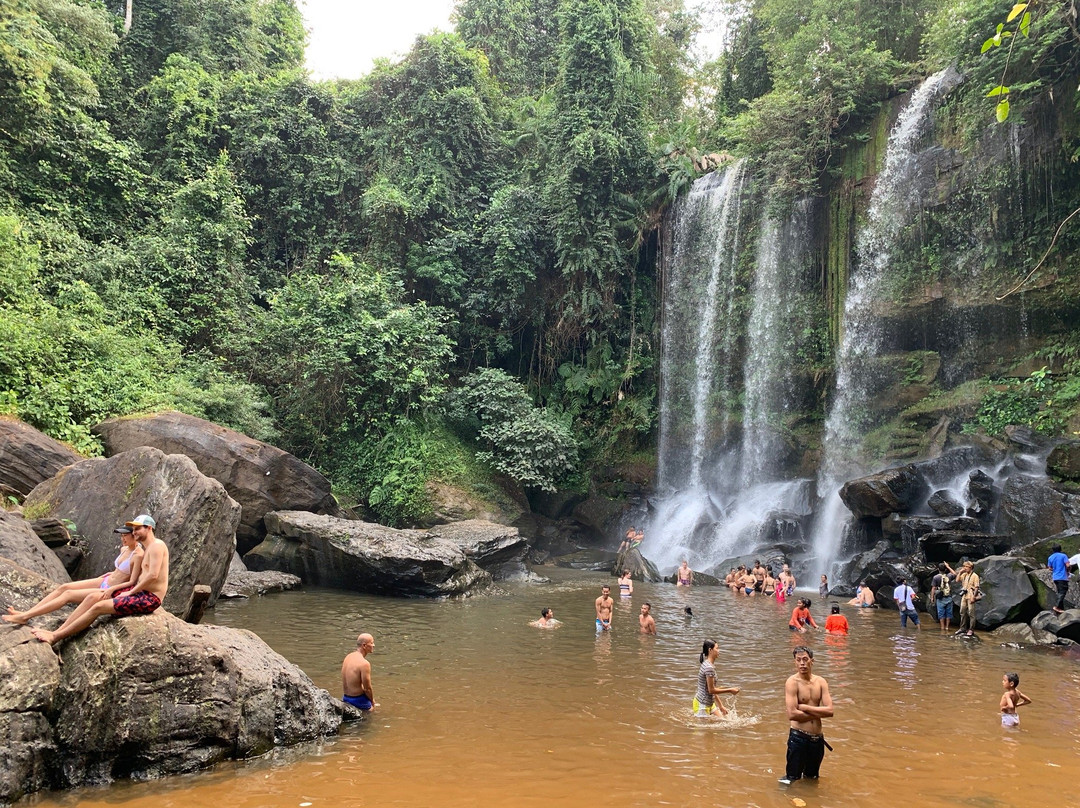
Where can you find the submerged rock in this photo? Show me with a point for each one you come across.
(261, 477)
(364, 557)
(196, 518)
(142, 697)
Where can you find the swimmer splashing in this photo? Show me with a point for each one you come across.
(705, 702)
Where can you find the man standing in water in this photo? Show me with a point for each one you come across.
(604, 607)
(646, 620)
(807, 699)
(356, 675)
(142, 597)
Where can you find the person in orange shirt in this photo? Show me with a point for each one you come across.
(836, 623)
(801, 617)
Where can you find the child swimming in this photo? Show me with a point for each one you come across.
(1011, 699)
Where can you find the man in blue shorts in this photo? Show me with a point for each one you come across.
(356, 675)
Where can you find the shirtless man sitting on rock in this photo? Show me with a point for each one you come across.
(142, 597)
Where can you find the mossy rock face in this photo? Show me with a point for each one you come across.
(1064, 461)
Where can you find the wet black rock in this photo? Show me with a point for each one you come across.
(944, 504)
(1008, 596)
(952, 545)
(981, 494)
(896, 490)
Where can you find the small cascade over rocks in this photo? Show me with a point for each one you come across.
(897, 194)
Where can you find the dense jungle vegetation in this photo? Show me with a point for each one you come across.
(446, 269)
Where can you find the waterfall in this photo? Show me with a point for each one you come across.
(719, 495)
(895, 197)
(698, 346)
(782, 269)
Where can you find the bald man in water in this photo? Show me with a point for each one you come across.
(356, 675)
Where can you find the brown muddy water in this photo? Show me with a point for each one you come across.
(480, 709)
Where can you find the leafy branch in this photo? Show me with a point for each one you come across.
(1001, 92)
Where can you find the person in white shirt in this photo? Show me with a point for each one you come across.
(905, 596)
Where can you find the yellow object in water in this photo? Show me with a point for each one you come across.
(798, 803)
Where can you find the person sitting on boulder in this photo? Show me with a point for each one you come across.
(125, 568)
(142, 597)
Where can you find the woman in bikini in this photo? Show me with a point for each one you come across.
(769, 585)
(125, 568)
(626, 585)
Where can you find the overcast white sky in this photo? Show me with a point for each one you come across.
(346, 36)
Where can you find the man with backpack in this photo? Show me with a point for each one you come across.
(941, 595)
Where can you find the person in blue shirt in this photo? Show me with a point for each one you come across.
(1058, 564)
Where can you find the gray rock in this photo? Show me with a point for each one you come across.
(143, 697)
(950, 545)
(1021, 633)
(1042, 580)
(981, 494)
(51, 531)
(944, 504)
(1065, 626)
(641, 569)
(261, 477)
(246, 584)
(364, 557)
(1027, 439)
(861, 566)
(1032, 508)
(21, 545)
(589, 560)
(195, 517)
(896, 490)
(498, 549)
(1008, 596)
(1064, 461)
(29, 457)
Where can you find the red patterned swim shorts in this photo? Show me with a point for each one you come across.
(139, 603)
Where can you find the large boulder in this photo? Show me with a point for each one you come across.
(1022, 633)
(141, 697)
(20, 544)
(1064, 460)
(639, 567)
(1033, 508)
(896, 490)
(1064, 626)
(1008, 596)
(943, 503)
(950, 545)
(364, 557)
(196, 518)
(1042, 581)
(912, 528)
(261, 477)
(498, 549)
(982, 495)
(29, 457)
(242, 583)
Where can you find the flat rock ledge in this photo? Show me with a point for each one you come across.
(141, 697)
(365, 557)
(247, 584)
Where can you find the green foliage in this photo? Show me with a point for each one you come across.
(525, 443)
(519, 38)
(1029, 402)
(342, 356)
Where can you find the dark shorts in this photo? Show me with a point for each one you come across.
(804, 754)
(139, 603)
(361, 702)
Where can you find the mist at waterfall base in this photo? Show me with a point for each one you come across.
(723, 495)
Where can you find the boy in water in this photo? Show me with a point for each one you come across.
(1011, 699)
